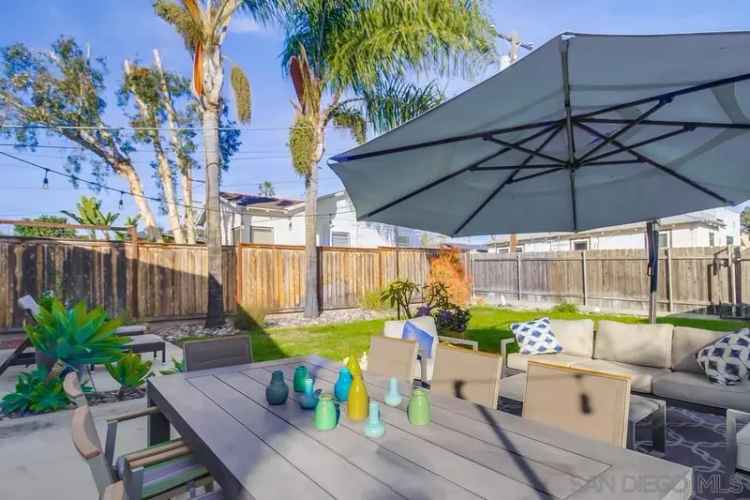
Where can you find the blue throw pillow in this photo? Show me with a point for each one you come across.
(535, 337)
(727, 361)
(424, 339)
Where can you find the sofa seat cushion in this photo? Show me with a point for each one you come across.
(518, 361)
(696, 388)
(575, 336)
(643, 345)
(641, 377)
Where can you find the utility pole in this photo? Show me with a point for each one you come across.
(506, 60)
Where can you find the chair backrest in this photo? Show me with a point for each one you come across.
(28, 304)
(465, 374)
(581, 401)
(392, 357)
(217, 352)
(72, 387)
(86, 441)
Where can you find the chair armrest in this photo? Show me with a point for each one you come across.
(453, 340)
(136, 414)
(504, 343)
(730, 435)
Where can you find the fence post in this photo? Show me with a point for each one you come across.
(584, 278)
(732, 282)
(518, 275)
(238, 273)
(670, 296)
(134, 265)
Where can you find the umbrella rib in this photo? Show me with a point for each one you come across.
(506, 181)
(491, 168)
(628, 147)
(668, 95)
(439, 181)
(538, 174)
(564, 49)
(670, 123)
(665, 169)
(633, 123)
(528, 151)
(609, 163)
(448, 140)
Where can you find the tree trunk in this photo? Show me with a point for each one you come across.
(136, 188)
(163, 168)
(183, 162)
(215, 313)
(312, 308)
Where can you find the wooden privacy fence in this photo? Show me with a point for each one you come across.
(690, 279)
(156, 281)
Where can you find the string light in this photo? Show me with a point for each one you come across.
(45, 182)
(121, 204)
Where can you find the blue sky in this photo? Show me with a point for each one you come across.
(128, 29)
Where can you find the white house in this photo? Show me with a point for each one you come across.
(707, 228)
(260, 219)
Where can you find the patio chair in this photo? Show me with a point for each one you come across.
(578, 400)
(163, 471)
(392, 358)
(140, 342)
(469, 375)
(394, 329)
(217, 352)
(116, 491)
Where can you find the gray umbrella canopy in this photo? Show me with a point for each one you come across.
(587, 131)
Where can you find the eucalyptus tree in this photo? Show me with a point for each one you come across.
(350, 62)
(203, 25)
(60, 92)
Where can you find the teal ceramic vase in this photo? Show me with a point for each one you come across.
(300, 374)
(392, 396)
(309, 398)
(326, 416)
(419, 407)
(343, 383)
(374, 427)
(277, 391)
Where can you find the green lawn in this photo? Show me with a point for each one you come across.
(488, 325)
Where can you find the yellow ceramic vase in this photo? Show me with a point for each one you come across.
(353, 366)
(357, 402)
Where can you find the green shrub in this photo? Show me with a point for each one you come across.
(371, 301)
(566, 307)
(398, 295)
(75, 336)
(130, 372)
(35, 393)
(250, 318)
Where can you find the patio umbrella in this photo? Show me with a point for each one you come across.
(585, 132)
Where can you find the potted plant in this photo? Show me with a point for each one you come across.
(130, 372)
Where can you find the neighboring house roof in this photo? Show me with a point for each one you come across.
(254, 201)
(698, 218)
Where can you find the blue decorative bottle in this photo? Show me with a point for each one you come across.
(277, 391)
(343, 383)
(309, 398)
(392, 396)
(374, 427)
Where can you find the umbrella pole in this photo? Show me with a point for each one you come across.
(652, 244)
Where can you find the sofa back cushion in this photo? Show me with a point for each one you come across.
(644, 345)
(575, 336)
(686, 342)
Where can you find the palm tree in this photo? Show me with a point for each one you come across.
(348, 61)
(203, 25)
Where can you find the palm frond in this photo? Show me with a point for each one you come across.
(242, 94)
(351, 119)
(392, 102)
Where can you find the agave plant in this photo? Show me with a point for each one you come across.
(177, 367)
(35, 393)
(75, 337)
(130, 372)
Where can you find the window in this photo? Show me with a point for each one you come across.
(502, 250)
(730, 240)
(237, 234)
(402, 241)
(580, 245)
(260, 234)
(340, 239)
(664, 239)
(711, 239)
(519, 248)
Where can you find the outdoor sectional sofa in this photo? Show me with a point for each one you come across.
(659, 358)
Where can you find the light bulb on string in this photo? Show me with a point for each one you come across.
(121, 203)
(45, 182)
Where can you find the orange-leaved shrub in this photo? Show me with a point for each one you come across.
(448, 268)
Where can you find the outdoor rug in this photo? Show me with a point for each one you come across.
(694, 439)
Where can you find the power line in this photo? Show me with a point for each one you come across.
(99, 185)
(93, 127)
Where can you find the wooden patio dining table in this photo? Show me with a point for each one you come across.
(255, 450)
